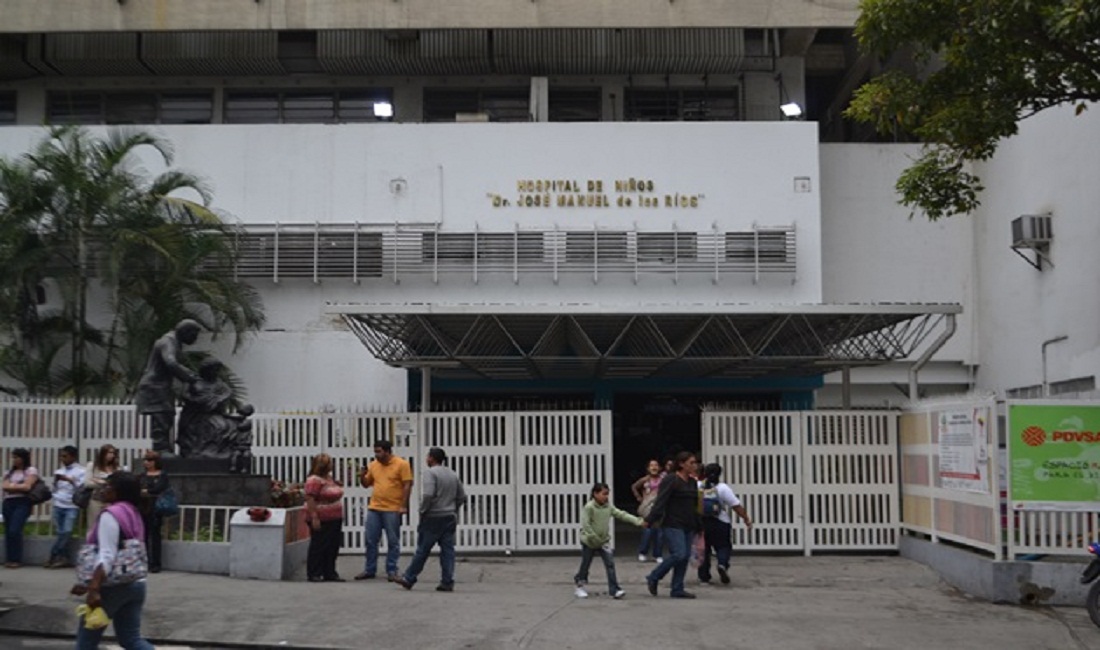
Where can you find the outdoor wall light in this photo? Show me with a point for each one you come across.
(791, 110)
(383, 109)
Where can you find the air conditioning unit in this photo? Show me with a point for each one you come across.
(1032, 231)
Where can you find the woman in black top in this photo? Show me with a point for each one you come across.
(153, 483)
(676, 511)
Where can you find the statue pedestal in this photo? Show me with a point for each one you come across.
(207, 482)
(245, 490)
(268, 550)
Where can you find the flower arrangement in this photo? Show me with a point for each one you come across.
(286, 495)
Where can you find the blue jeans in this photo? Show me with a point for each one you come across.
(587, 553)
(651, 537)
(432, 531)
(64, 520)
(123, 605)
(377, 521)
(16, 512)
(678, 542)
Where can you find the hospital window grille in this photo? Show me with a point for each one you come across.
(304, 106)
(95, 107)
(498, 104)
(575, 104)
(667, 247)
(681, 105)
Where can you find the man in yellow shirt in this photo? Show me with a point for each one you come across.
(391, 477)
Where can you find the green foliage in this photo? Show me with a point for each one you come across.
(203, 534)
(79, 211)
(980, 66)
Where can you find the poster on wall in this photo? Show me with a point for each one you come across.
(1054, 456)
(964, 450)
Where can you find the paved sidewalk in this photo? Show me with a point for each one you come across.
(787, 603)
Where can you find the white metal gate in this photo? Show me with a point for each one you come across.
(810, 480)
(527, 474)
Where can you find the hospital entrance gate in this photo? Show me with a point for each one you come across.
(527, 474)
(810, 480)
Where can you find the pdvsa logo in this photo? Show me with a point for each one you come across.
(1033, 436)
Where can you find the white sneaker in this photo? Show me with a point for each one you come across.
(580, 593)
(619, 593)
(641, 557)
(660, 559)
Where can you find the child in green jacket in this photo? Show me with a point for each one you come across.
(596, 538)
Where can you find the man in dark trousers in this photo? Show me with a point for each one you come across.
(443, 496)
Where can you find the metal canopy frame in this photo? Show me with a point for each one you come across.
(589, 342)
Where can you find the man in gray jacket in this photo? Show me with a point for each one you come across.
(442, 497)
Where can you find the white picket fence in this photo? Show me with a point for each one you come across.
(811, 481)
(527, 473)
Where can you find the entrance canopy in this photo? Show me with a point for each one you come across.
(588, 341)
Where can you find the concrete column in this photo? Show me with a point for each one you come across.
(408, 103)
(30, 106)
(540, 99)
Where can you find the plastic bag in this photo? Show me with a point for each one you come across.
(94, 619)
(698, 549)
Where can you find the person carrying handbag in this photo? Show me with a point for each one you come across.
(154, 482)
(123, 599)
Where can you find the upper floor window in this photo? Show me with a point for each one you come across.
(681, 105)
(7, 107)
(575, 104)
(496, 104)
(95, 107)
(307, 106)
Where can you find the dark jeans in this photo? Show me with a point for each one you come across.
(717, 536)
(678, 542)
(153, 522)
(587, 553)
(123, 604)
(651, 537)
(324, 547)
(16, 512)
(432, 531)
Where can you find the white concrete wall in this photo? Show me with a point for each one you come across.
(743, 174)
(872, 252)
(1052, 166)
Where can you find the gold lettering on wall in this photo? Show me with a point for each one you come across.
(630, 192)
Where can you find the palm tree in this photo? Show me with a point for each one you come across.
(80, 209)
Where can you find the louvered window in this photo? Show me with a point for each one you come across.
(94, 107)
(499, 104)
(587, 246)
(129, 108)
(681, 105)
(304, 106)
(667, 247)
(774, 246)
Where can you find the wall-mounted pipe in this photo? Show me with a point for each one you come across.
(924, 358)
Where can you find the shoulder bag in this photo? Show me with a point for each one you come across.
(82, 495)
(39, 492)
(167, 503)
(130, 565)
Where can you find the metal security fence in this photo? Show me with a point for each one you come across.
(812, 481)
(527, 474)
